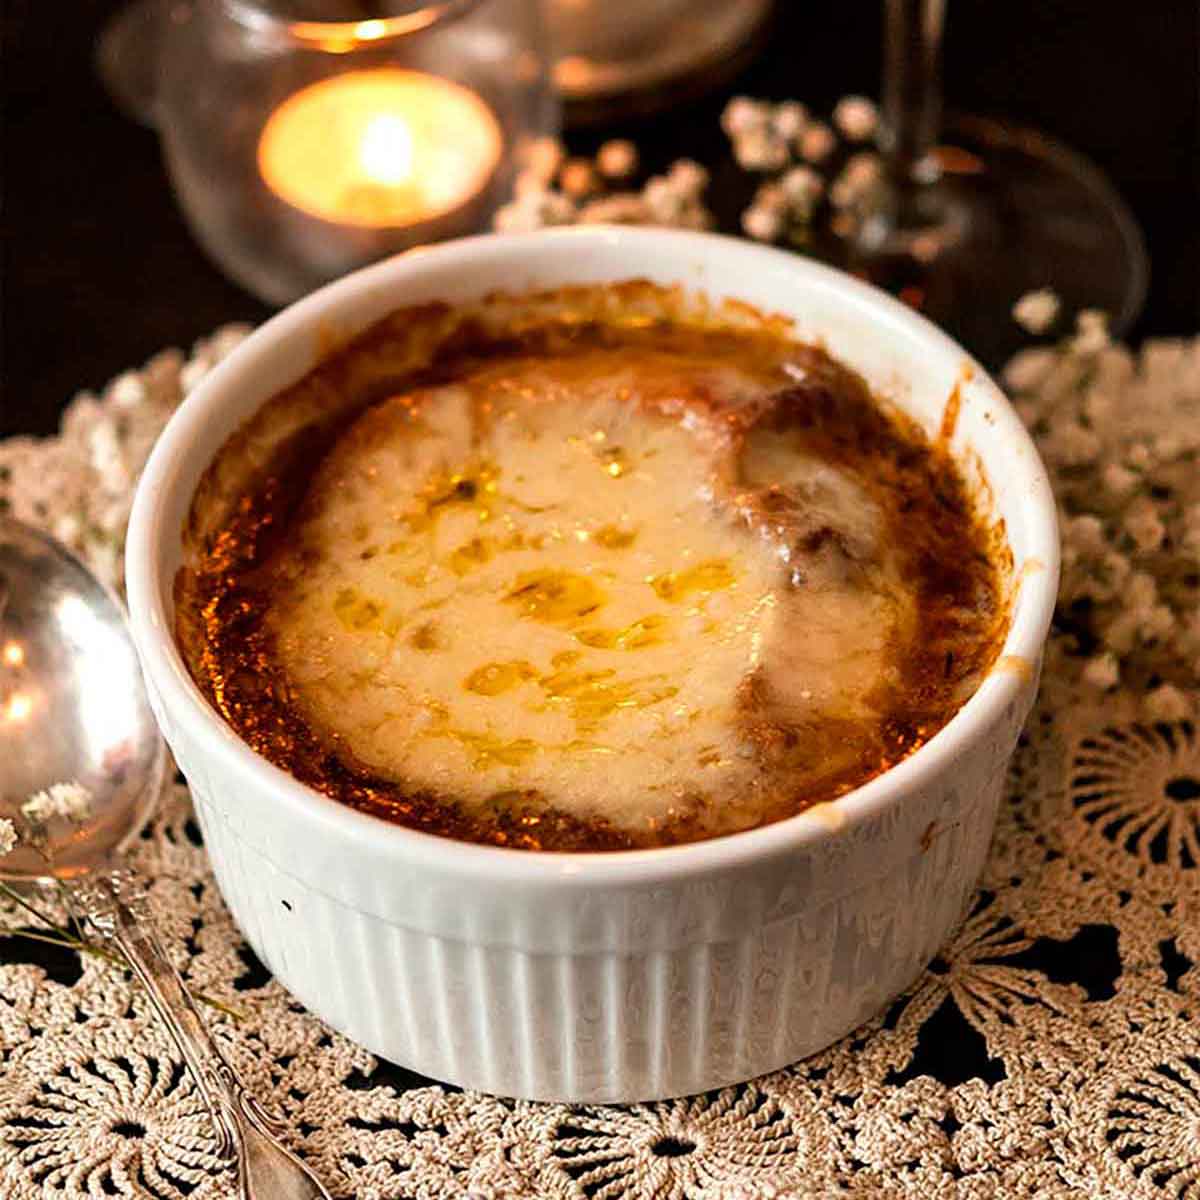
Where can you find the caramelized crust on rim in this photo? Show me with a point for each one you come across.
(588, 570)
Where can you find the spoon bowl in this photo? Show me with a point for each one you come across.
(72, 706)
(73, 711)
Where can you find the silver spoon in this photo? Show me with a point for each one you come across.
(73, 709)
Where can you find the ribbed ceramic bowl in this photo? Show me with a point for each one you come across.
(603, 977)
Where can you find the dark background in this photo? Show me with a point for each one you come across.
(99, 270)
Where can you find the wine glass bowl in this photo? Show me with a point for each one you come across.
(967, 220)
(1009, 210)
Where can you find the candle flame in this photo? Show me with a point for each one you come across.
(371, 31)
(383, 147)
(386, 151)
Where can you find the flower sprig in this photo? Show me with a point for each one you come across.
(554, 189)
(1118, 433)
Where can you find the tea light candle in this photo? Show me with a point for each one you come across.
(380, 148)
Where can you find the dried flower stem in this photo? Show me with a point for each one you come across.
(20, 900)
(64, 894)
(79, 943)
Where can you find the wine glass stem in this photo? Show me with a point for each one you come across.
(912, 90)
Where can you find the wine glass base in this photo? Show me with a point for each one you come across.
(1016, 211)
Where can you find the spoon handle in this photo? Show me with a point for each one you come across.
(249, 1135)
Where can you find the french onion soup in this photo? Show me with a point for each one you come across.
(595, 569)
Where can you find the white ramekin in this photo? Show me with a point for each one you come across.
(603, 977)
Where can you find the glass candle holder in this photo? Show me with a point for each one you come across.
(302, 147)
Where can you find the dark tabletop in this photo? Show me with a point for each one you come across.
(99, 270)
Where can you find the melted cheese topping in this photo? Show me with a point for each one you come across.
(588, 569)
(575, 581)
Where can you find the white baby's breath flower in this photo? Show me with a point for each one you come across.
(74, 801)
(578, 178)
(760, 150)
(161, 377)
(67, 529)
(1097, 577)
(127, 390)
(743, 115)
(1157, 625)
(193, 371)
(1143, 618)
(856, 118)
(1069, 444)
(688, 177)
(803, 188)
(1030, 368)
(107, 461)
(1142, 523)
(1114, 570)
(617, 159)
(39, 808)
(1118, 481)
(1091, 333)
(1036, 311)
(1102, 672)
(857, 178)
(70, 801)
(817, 142)
(1167, 703)
(772, 197)
(1084, 534)
(1142, 591)
(113, 518)
(544, 156)
(1098, 404)
(227, 339)
(8, 836)
(762, 224)
(663, 199)
(528, 183)
(534, 211)
(789, 119)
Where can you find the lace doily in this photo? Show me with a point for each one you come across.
(1052, 1049)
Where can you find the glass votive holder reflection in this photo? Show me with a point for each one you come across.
(301, 149)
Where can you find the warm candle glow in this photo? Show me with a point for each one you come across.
(386, 152)
(14, 654)
(379, 148)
